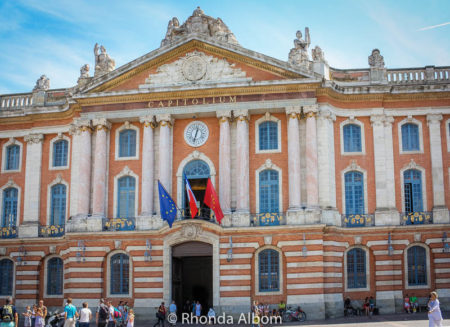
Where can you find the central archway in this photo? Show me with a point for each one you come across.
(192, 275)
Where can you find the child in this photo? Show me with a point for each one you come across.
(39, 318)
(130, 319)
(27, 314)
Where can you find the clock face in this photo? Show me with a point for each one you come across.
(196, 133)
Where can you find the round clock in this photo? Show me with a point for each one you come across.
(196, 133)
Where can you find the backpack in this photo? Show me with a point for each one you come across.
(117, 313)
(103, 312)
(7, 313)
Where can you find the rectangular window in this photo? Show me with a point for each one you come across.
(12, 157)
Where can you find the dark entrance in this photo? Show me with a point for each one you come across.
(197, 173)
(192, 275)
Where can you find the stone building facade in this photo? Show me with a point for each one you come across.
(333, 183)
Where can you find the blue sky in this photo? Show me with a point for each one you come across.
(56, 37)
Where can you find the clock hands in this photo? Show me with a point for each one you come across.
(195, 136)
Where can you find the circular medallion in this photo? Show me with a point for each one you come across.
(194, 68)
(196, 133)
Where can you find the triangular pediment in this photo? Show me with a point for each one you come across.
(194, 62)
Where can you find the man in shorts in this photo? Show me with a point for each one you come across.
(70, 313)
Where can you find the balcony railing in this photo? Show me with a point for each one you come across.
(204, 213)
(118, 224)
(416, 218)
(51, 230)
(358, 220)
(267, 219)
(9, 232)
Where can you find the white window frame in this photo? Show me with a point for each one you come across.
(125, 126)
(410, 120)
(59, 137)
(405, 267)
(13, 295)
(280, 273)
(126, 172)
(19, 193)
(361, 289)
(12, 141)
(55, 296)
(413, 165)
(268, 164)
(447, 134)
(263, 119)
(108, 275)
(354, 167)
(353, 121)
(57, 180)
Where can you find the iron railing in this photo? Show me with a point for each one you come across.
(9, 232)
(416, 218)
(51, 230)
(358, 220)
(118, 224)
(267, 219)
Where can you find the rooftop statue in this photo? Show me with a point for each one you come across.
(317, 54)
(84, 71)
(376, 60)
(200, 24)
(299, 54)
(42, 84)
(103, 63)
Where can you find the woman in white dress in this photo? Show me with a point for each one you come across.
(434, 311)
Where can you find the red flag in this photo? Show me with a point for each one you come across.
(192, 199)
(212, 201)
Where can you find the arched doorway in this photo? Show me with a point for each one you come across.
(192, 275)
(197, 172)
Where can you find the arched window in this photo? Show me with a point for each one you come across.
(126, 197)
(60, 149)
(268, 135)
(120, 274)
(197, 169)
(127, 143)
(12, 157)
(412, 180)
(352, 138)
(269, 271)
(410, 137)
(6, 277)
(268, 191)
(354, 193)
(55, 269)
(58, 205)
(356, 268)
(417, 266)
(10, 197)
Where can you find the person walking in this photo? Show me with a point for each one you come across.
(102, 314)
(9, 315)
(85, 315)
(161, 315)
(40, 320)
(111, 318)
(33, 315)
(70, 313)
(27, 315)
(43, 308)
(198, 309)
(434, 311)
(130, 318)
(173, 310)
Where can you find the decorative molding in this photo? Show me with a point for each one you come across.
(101, 123)
(293, 112)
(434, 119)
(241, 114)
(148, 121)
(327, 114)
(191, 231)
(34, 138)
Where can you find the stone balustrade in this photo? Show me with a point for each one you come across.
(418, 75)
(11, 102)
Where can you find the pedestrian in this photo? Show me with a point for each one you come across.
(111, 318)
(119, 320)
(9, 315)
(85, 315)
(198, 309)
(40, 320)
(434, 311)
(43, 308)
(161, 315)
(27, 315)
(70, 313)
(173, 310)
(102, 314)
(130, 318)
(33, 315)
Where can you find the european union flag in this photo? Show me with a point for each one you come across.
(167, 206)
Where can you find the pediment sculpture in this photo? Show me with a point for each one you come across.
(299, 53)
(103, 63)
(42, 84)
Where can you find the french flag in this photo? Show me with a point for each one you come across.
(191, 197)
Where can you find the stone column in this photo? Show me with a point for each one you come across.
(293, 114)
(148, 167)
(101, 126)
(312, 193)
(440, 212)
(225, 161)
(242, 157)
(165, 150)
(390, 171)
(327, 174)
(380, 160)
(32, 194)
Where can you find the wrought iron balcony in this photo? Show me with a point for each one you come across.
(267, 219)
(358, 220)
(51, 230)
(416, 218)
(118, 224)
(204, 213)
(9, 232)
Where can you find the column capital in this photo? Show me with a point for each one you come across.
(327, 114)
(80, 125)
(434, 118)
(164, 119)
(293, 112)
(148, 121)
(34, 138)
(101, 124)
(388, 120)
(223, 115)
(377, 120)
(313, 108)
(241, 114)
